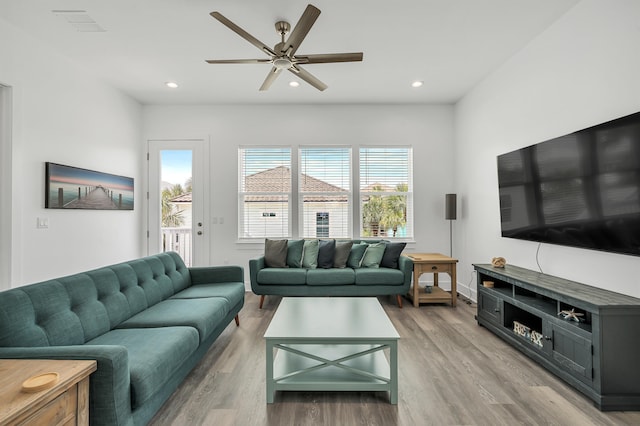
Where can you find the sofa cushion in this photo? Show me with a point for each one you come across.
(233, 292)
(275, 253)
(203, 314)
(175, 268)
(150, 369)
(379, 276)
(118, 290)
(310, 254)
(341, 255)
(333, 276)
(373, 256)
(326, 250)
(355, 256)
(151, 276)
(294, 253)
(127, 285)
(391, 255)
(282, 276)
(39, 315)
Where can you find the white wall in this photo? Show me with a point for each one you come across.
(582, 71)
(429, 129)
(60, 114)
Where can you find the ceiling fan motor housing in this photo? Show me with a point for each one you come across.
(282, 63)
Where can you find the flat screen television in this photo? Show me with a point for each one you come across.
(580, 190)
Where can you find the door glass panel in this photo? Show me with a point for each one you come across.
(176, 221)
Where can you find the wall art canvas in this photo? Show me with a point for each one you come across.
(70, 187)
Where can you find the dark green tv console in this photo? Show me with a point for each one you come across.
(599, 355)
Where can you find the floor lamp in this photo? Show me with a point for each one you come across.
(450, 215)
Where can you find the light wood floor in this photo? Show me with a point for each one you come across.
(451, 372)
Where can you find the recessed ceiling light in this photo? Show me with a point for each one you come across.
(294, 84)
(417, 83)
(172, 84)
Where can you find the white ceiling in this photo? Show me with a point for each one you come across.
(449, 44)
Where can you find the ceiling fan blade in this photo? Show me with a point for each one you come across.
(238, 61)
(308, 77)
(328, 57)
(301, 30)
(242, 33)
(271, 77)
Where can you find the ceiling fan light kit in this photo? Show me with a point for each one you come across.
(283, 55)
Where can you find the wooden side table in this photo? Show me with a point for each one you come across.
(434, 263)
(65, 403)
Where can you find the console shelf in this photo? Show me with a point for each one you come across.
(596, 355)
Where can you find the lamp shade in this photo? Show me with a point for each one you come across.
(450, 206)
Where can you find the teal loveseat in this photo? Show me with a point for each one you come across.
(146, 322)
(348, 280)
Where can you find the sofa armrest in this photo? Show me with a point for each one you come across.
(109, 384)
(255, 265)
(405, 264)
(216, 274)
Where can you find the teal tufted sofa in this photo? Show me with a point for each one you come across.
(147, 322)
(332, 281)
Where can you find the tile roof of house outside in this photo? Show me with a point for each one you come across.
(182, 198)
(278, 179)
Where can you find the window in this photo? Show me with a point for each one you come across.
(386, 192)
(324, 185)
(309, 192)
(322, 225)
(264, 192)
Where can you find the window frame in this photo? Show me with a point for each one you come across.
(409, 225)
(348, 193)
(295, 197)
(242, 193)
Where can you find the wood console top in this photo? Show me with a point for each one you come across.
(17, 406)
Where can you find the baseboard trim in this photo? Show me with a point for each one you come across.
(468, 292)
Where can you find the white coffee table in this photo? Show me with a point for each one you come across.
(331, 344)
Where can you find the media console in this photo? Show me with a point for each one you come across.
(599, 355)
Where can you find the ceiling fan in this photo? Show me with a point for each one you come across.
(283, 55)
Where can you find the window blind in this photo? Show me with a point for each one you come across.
(324, 184)
(265, 192)
(386, 192)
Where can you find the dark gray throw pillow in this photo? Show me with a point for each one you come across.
(325, 253)
(341, 255)
(275, 253)
(391, 255)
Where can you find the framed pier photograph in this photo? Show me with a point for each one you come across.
(68, 187)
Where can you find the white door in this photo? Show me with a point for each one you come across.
(178, 186)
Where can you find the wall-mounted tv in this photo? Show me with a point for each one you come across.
(579, 190)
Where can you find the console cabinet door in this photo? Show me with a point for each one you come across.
(489, 307)
(573, 352)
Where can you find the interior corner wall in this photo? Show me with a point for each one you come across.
(428, 129)
(583, 70)
(60, 114)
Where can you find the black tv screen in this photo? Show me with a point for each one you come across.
(579, 190)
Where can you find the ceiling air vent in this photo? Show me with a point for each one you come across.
(80, 20)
